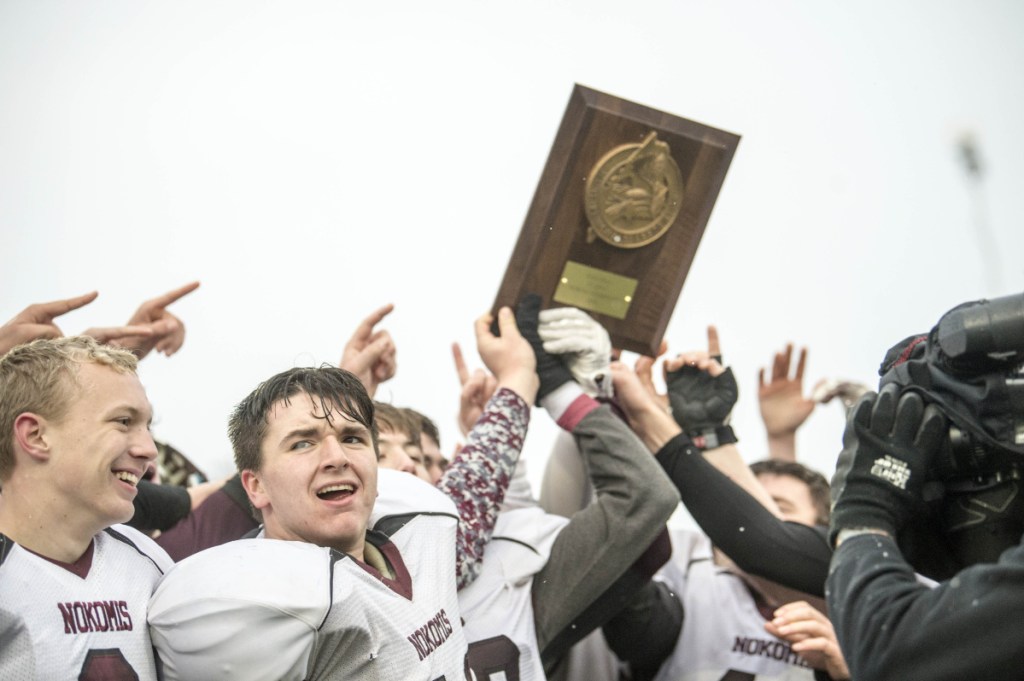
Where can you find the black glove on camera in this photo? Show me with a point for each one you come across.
(552, 372)
(701, 403)
(888, 447)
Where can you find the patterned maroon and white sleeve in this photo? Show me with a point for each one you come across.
(479, 475)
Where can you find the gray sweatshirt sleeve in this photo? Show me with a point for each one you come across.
(634, 500)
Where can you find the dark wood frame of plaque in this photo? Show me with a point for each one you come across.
(556, 226)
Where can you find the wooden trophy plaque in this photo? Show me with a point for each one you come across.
(617, 215)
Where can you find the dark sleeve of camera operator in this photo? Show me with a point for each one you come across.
(790, 554)
(892, 627)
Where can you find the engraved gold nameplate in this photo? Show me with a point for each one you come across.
(595, 290)
(633, 194)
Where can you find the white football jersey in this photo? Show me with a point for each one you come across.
(590, 660)
(498, 608)
(268, 609)
(723, 634)
(55, 624)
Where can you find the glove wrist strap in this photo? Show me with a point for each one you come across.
(713, 438)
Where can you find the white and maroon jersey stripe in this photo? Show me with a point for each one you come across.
(55, 624)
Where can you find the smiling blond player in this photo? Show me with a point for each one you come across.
(74, 441)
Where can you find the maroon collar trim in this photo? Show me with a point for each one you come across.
(402, 583)
(80, 568)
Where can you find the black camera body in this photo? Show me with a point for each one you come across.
(971, 365)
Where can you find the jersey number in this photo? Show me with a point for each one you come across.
(107, 664)
(733, 675)
(493, 659)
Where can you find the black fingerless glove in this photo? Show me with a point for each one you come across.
(701, 404)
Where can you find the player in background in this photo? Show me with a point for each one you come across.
(704, 617)
(434, 462)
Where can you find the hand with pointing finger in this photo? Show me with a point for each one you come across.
(36, 321)
(166, 331)
(370, 352)
(477, 389)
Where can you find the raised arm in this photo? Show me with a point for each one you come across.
(633, 497)
(664, 435)
(479, 475)
(721, 493)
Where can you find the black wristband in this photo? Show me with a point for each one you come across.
(713, 438)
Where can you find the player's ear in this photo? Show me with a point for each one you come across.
(254, 488)
(33, 436)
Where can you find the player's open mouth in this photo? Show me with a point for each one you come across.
(336, 492)
(128, 477)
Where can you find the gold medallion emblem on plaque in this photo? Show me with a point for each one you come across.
(633, 194)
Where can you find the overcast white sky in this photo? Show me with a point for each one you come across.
(310, 161)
